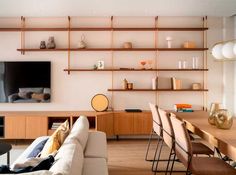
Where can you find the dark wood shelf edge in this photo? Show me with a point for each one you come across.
(103, 29)
(121, 70)
(153, 90)
(112, 49)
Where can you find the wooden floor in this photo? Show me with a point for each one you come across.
(126, 157)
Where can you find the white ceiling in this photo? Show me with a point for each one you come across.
(117, 7)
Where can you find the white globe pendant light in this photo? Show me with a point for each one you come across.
(234, 49)
(227, 50)
(217, 51)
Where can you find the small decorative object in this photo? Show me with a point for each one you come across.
(99, 102)
(195, 62)
(51, 43)
(130, 86)
(155, 83)
(82, 43)
(150, 63)
(100, 65)
(214, 107)
(169, 41)
(127, 45)
(42, 45)
(95, 67)
(184, 64)
(180, 64)
(125, 84)
(143, 63)
(223, 119)
(189, 44)
(196, 86)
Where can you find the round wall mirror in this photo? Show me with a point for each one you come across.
(99, 103)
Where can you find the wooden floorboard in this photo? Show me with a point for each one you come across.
(126, 157)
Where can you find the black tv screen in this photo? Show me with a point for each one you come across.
(25, 82)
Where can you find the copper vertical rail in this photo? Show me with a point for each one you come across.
(22, 34)
(156, 57)
(206, 64)
(112, 63)
(69, 26)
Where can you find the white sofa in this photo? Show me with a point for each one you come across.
(82, 153)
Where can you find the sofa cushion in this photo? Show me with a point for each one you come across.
(38, 148)
(28, 150)
(96, 145)
(69, 159)
(56, 139)
(80, 131)
(94, 166)
(35, 90)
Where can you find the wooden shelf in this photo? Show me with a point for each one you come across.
(121, 70)
(154, 90)
(110, 49)
(10, 29)
(100, 29)
(182, 49)
(86, 49)
(182, 29)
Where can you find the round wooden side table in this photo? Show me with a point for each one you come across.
(5, 148)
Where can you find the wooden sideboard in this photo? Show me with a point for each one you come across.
(30, 125)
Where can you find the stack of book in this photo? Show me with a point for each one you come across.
(55, 125)
(183, 108)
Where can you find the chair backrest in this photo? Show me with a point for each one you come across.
(183, 146)
(156, 119)
(168, 132)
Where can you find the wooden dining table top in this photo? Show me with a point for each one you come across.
(224, 140)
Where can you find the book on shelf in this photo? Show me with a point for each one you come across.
(176, 83)
(55, 125)
(183, 108)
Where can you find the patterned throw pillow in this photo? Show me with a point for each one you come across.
(56, 140)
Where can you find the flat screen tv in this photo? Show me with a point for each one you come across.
(25, 82)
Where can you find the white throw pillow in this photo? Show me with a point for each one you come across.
(79, 131)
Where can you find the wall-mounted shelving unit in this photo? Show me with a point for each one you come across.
(112, 28)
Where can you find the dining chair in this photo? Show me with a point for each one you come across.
(168, 137)
(155, 131)
(196, 165)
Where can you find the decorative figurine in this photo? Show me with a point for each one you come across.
(42, 45)
(82, 44)
(51, 43)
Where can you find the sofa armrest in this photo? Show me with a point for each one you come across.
(96, 145)
(13, 97)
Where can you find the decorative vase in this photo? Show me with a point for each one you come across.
(155, 83)
(214, 107)
(125, 84)
(82, 44)
(42, 45)
(127, 45)
(51, 43)
(223, 119)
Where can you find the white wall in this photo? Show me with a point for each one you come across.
(229, 101)
(74, 92)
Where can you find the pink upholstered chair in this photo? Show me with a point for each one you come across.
(196, 165)
(168, 136)
(157, 129)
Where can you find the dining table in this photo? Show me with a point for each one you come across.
(223, 140)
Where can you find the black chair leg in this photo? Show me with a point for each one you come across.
(148, 147)
(158, 157)
(173, 162)
(169, 160)
(157, 152)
